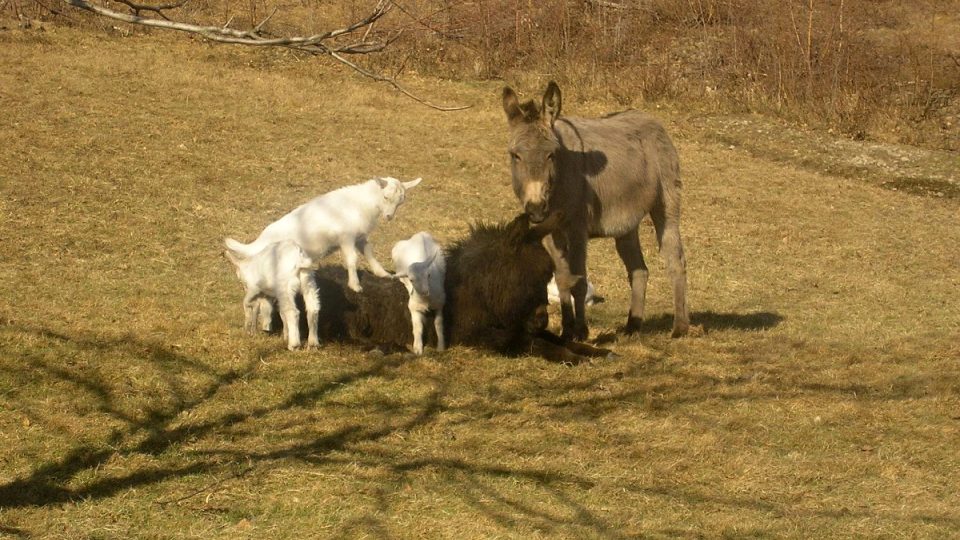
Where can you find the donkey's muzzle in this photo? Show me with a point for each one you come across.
(537, 211)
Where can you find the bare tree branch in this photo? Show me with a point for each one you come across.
(317, 44)
(159, 10)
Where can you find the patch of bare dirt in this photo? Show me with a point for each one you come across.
(934, 173)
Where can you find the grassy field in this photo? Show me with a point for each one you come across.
(822, 400)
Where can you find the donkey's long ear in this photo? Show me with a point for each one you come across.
(551, 102)
(511, 105)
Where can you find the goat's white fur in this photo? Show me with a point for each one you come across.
(279, 271)
(419, 264)
(553, 292)
(343, 218)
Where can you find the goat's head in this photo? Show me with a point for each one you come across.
(393, 193)
(417, 276)
(533, 148)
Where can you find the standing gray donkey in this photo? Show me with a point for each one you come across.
(604, 174)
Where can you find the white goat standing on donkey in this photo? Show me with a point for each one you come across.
(343, 218)
(279, 271)
(419, 264)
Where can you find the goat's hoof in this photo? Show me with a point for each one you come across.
(357, 289)
(294, 346)
(313, 346)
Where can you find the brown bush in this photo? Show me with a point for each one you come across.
(885, 69)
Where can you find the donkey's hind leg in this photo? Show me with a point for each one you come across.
(628, 247)
(667, 224)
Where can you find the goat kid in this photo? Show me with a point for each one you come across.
(343, 218)
(420, 266)
(553, 293)
(278, 271)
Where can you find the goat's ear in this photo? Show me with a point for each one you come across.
(412, 183)
(551, 102)
(381, 182)
(511, 106)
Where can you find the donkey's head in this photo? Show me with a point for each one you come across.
(533, 147)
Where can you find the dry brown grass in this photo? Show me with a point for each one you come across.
(823, 401)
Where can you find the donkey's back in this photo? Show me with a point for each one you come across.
(629, 163)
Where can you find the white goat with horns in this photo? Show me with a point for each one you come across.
(343, 218)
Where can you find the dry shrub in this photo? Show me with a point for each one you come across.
(883, 69)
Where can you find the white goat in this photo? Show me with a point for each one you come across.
(280, 271)
(553, 293)
(419, 264)
(343, 218)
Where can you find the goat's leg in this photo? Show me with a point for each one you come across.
(366, 247)
(628, 247)
(311, 303)
(417, 317)
(251, 305)
(666, 221)
(438, 326)
(350, 258)
(266, 314)
(291, 319)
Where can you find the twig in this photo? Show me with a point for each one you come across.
(137, 8)
(314, 44)
(207, 487)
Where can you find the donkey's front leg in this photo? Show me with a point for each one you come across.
(572, 289)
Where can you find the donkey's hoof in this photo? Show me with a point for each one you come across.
(633, 325)
(575, 334)
(680, 329)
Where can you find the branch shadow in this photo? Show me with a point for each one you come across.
(712, 320)
(480, 483)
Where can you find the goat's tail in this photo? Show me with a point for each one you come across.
(239, 249)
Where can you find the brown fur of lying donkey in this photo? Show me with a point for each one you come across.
(496, 298)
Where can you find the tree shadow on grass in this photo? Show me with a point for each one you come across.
(152, 431)
(481, 483)
(711, 320)
(707, 320)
